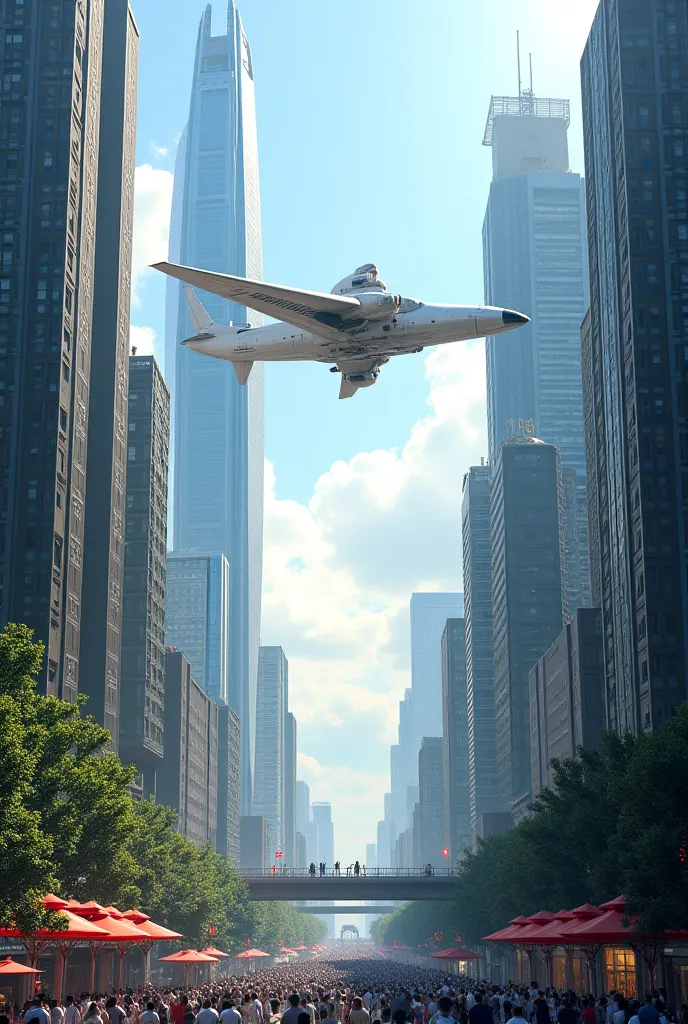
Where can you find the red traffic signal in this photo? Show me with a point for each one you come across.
(445, 853)
(278, 853)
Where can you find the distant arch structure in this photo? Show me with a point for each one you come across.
(349, 931)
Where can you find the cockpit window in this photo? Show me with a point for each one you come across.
(408, 305)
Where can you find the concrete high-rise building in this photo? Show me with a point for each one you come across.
(406, 768)
(528, 598)
(534, 245)
(370, 856)
(290, 752)
(429, 613)
(301, 852)
(197, 619)
(635, 80)
(141, 723)
(456, 765)
(322, 819)
(228, 784)
(106, 458)
(255, 843)
(62, 247)
(217, 423)
(188, 778)
(430, 828)
(303, 805)
(477, 585)
(271, 715)
(567, 708)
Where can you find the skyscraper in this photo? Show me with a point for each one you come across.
(228, 784)
(106, 460)
(322, 819)
(290, 752)
(58, 71)
(197, 618)
(535, 260)
(477, 585)
(429, 613)
(455, 759)
(271, 714)
(303, 805)
(635, 117)
(567, 708)
(188, 780)
(528, 598)
(141, 723)
(218, 424)
(430, 829)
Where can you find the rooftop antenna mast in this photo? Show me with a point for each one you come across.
(518, 61)
(530, 57)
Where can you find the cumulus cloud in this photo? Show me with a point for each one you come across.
(339, 572)
(144, 340)
(152, 205)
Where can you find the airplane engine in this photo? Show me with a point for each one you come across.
(374, 306)
(362, 380)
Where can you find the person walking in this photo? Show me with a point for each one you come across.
(357, 869)
(359, 1014)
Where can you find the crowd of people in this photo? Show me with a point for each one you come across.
(353, 986)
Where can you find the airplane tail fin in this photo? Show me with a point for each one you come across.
(202, 320)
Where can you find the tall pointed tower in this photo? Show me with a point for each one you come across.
(218, 424)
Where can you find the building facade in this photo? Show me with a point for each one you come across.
(321, 813)
(528, 598)
(270, 765)
(197, 618)
(188, 778)
(429, 613)
(57, 74)
(141, 723)
(255, 843)
(477, 583)
(106, 458)
(290, 752)
(228, 784)
(455, 756)
(218, 424)
(430, 817)
(535, 260)
(567, 707)
(635, 118)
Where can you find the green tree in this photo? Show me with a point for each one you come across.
(652, 832)
(378, 927)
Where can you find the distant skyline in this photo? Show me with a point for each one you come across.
(370, 149)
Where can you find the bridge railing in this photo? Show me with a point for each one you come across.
(346, 872)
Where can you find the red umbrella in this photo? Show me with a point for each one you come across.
(52, 902)
(251, 954)
(212, 951)
(188, 957)
(10, 966)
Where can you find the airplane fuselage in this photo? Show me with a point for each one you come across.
(405, 331)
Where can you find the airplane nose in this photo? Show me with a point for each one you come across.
(510, 318)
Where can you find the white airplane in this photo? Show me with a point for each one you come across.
(357, 327)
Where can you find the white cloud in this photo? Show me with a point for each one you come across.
(159, 151)
(339, 572)
(152, 205)
(143, 339)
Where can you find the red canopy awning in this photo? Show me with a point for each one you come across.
(8, 966)
(76, 928)
(212, 951)
(515, 926)
(250, 954)
(157, 932)
(457, 953)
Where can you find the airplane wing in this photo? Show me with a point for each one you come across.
(317, 312)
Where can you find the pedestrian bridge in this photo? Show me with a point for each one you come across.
(381, 885)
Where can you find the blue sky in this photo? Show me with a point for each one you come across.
(370, 124)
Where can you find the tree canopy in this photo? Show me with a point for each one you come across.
(68, 824)
(615, 821)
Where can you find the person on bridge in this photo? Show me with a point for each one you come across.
(357, 869)
(337, 868)
(311, 870)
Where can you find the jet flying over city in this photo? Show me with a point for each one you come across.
(357, 327)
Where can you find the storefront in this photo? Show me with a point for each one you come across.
(620, 971)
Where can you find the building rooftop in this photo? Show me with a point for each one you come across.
(525, 105)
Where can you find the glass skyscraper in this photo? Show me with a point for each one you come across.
(217, 423)
(534, 245)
